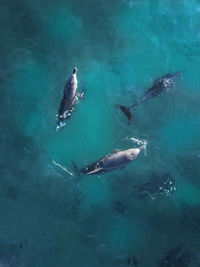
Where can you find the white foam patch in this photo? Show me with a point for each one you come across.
(63, 168)
(142, 143)
(60, 126)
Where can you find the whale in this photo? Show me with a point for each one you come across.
(115, 160)
(158, 186)
(160, 85)
(69, 100)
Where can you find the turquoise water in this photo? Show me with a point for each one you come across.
(50, 218)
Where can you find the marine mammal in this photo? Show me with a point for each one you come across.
(69, 99)
(158, 186)
(160, 85)
(116, 160)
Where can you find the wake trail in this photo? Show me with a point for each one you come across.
(62, 167)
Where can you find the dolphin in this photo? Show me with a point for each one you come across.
(69, 100)
(116, 160)
(160, 85)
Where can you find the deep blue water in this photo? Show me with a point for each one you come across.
(123, 218)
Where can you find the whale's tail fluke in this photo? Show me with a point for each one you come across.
(76, 169)
(127, 111)
(60, 125)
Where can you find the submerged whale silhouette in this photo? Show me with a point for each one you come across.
(160, 85)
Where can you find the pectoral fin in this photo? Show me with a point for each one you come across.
(79, 94)
(94, 171)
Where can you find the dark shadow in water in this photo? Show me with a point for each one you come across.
(157, 186)
(188, 167)
(120, 207)
(132, 261)
(176, 257)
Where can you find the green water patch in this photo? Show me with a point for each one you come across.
(61, 24)
(180, 133)
(96, 191)
(148, 27)
(121, 235)
(31, 83)
(188, 193)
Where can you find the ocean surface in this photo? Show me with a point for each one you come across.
(145, 215)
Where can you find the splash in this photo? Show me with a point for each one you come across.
(142, 143)
(60, 126)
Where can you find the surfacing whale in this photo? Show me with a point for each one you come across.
(116, 160)
(69, 100)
